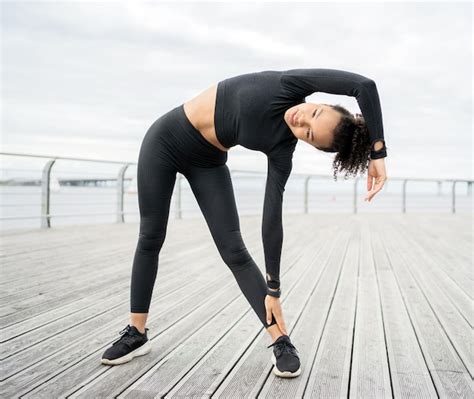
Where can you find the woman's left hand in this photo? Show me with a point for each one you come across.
(376, 171)
(273, 306)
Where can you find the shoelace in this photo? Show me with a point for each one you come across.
(125, 335)
(284, 346)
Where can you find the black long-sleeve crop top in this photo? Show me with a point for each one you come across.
(249, 111)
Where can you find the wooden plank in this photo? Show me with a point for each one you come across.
(433, 269)
(197, 307)
(408, 371)
(112, 268)
(171, 343)
(75, 261)
(58, 345)
(454, 325)
(23, 336)
(330, 372)
(447, 371)
(456, 259)
(209, 342)
(370, 377)
(170, 264)
(459, 294)
(311, 316)
(67, 344)
(246, 369)
(457, 226)
(59, 258)
(51, 299)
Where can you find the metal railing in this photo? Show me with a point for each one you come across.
(46, 214)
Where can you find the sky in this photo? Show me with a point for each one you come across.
(87, 79)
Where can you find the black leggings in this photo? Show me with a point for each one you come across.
(172, 144)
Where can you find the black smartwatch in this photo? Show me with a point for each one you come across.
(381, 153)
(273, 293)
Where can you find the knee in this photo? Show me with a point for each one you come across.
(151, 242)
(235, 254)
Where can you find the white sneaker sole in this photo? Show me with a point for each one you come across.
(142, 350)
(284, 374)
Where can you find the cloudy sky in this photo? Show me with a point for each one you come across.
(87, 79)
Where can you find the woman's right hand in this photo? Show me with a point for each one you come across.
(376, 171)
(273, 306)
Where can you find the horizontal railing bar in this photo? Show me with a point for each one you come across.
(105, 185)
(56, 215)
(233, 170)
(16, 154)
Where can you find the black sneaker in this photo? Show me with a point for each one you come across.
(285, 358)
(132, 343)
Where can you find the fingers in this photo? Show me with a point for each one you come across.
(269, 315)
(372, 194)
(278, 317)
(375, 177)
(369, 182)
(379, 182)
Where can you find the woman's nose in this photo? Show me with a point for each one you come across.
(301, 119)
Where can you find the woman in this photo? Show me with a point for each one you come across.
(263, 111)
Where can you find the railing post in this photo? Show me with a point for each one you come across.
(120, 193)
(177, 211)
(306, 184)
(454, 197)
(404, 195)
(355, 194)
(46, 195)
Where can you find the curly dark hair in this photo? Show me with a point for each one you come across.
(351, 142)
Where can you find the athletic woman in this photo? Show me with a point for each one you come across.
(262, 111)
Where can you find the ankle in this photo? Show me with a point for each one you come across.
(274, 332)
(276, 336)
(140, 329)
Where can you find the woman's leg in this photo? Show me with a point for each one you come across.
(214, 193)
(155, 182)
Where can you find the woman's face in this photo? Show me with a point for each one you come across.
(313, 123)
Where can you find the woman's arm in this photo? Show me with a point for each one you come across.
(302, 82)
(279, 169)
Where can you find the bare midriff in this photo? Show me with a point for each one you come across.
(200, 112)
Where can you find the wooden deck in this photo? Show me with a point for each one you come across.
(378, 305)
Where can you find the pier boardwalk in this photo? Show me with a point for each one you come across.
(379, 305)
